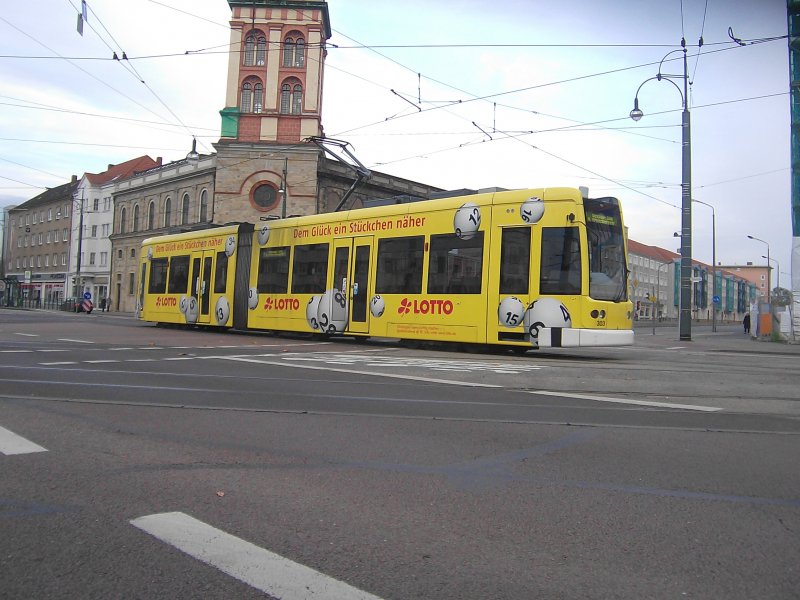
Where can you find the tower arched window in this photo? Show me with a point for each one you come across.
(249, 50)
(204, 206)
(123, 216)
(288, 52)
(168, 212)
(151, 216)
(258, 98)
(135, 218)
(299, 53)
(247, 97)
(185, 210)
(291, 98)
(261, 51)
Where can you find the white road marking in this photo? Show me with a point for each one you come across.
(355, 372)
(75, 341)
(28, 334)
(105, 360)
(625, 401)
(264, 570)
(11, 443)
(677, 348)
(15, 351)
(53, 364)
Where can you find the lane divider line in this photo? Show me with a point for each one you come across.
(626, 401)
(259, 568)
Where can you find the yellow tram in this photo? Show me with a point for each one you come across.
(537, 267)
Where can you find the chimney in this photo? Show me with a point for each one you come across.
(74, 179)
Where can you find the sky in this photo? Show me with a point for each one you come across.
(454, 93)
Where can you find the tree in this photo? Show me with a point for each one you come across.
(781, 297)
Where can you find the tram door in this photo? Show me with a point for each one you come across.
(202, 263)
(351, 276)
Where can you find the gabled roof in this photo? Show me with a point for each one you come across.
(654, 252)
(56, 194)
(122, 170)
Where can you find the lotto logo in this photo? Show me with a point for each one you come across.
(425, 307)
(281, 304)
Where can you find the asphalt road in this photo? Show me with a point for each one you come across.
(143, 462)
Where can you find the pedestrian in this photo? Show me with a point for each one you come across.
(102, 305)
(108, 304)
(746, 323)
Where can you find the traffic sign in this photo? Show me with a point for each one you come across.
(717, 299)
(87, 295)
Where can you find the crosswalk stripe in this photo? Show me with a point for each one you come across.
(264, 570)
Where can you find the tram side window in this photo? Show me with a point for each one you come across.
(400, 265)
(561, 261)
(455, 265)
(179, 274)
(515, 260)
(221, 273)
(158, 276)
(310, 269)
(273, 270)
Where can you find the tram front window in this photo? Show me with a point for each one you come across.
(607, 269)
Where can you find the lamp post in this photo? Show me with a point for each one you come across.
(769, 279)
(657, 296)
(78, 285)
(685, 321)
(713, 263)
(778, 283)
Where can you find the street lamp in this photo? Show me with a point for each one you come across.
(778, 284)
(713, 263)
(769, 280)
(685, 321)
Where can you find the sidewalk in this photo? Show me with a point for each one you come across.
(727, 338)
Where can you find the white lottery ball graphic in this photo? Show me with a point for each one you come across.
(222, 310)
(184, 304)
(263, 235)
(149, 254)
(546, 312)
(332, 312)
(230, 245)
(311, 311)
(376, 306)
(252, 298)
(191, 310)
(467, 221)
(510, 312)
(532, 210)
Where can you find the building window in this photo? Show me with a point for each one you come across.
(291, 98)
(49, 214)
(63, 259)
(294, 52)
(104, 259)
(131, 283)
(265, 197)
(249, 50)
(96, 205)
(135, 227)
(185, 210)
(123, 214)
(151, 216)
(258, 98)
(247, 97)
(94, 231)
(167, 212)
(133, 252)
(261, 51)
(92, 258)
(204, 206)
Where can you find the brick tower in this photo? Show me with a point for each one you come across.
(273, 102)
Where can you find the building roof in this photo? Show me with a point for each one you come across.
(122, 170)
(56, 194)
